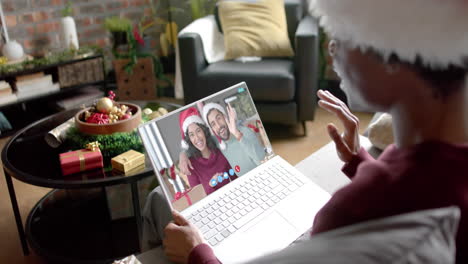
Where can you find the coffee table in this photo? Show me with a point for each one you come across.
(71, 224)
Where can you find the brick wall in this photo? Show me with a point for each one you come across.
(36, 23)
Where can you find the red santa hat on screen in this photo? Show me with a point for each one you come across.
(206, 110)
(186, 118)
(433, 30)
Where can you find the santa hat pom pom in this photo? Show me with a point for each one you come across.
(184, 144)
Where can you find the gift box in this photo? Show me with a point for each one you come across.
(128, 161)
(80, 160)
(189, 197)
(131, 172)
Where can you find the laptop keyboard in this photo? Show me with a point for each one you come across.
(221, 218)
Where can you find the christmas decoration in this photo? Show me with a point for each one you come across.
(147, 111)
(111, 145)
(57, 136)
(361, 23)
(52, 58)
(111, 95)
(110, 118)
(106, 111)
(93, 146)
(80, 160)
(97, 118)
(128, 160)
(104, 105)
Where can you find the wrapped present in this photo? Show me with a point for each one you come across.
(131, 172)
(189, 197)
(128, 160)
(80, 160)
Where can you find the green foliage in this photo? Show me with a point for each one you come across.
(117, 24)
(53, 58)
(133, 54)
(68, 10)
(201, 8)
(111, 145)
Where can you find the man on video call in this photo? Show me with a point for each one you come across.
(238, 143)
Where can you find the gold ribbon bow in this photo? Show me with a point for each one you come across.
(93, 146)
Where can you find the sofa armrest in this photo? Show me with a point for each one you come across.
(306, 66)
(192, 62)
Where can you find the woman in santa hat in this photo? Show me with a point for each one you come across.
(407, 58)
(209, 166)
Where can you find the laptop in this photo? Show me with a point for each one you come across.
(246, 200)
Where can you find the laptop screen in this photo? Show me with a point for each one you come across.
(220, 138)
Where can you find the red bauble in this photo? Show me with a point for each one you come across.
(98, 118)
(126, 116)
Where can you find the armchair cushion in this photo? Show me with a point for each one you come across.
(269, 80)
(255, 29)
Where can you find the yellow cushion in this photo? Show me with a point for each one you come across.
(255, 29)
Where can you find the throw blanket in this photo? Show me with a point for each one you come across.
(213, 46)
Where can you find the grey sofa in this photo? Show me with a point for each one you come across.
(284, 89)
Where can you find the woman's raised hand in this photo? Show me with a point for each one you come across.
(346, 144)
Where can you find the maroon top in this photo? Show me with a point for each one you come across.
(429, 175)
(204, 170)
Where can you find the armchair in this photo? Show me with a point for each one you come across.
(284, 89)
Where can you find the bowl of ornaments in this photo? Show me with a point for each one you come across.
(107, 117)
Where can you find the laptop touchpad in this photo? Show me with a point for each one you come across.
(257, 240)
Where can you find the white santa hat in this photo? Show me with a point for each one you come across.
(206, 109)
(434, 30)
(186, 118)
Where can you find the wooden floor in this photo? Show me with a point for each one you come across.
(288, 142)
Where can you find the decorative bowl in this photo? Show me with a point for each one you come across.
(126, 125)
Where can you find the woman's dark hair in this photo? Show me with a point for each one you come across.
(443, 81)
(210, 143)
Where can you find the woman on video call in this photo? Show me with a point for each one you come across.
(209, 166)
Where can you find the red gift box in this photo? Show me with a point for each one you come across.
(80, 160)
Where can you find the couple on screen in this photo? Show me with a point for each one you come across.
(216, 149)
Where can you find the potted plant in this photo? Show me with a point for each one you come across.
(201, 8)
(119, 28)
